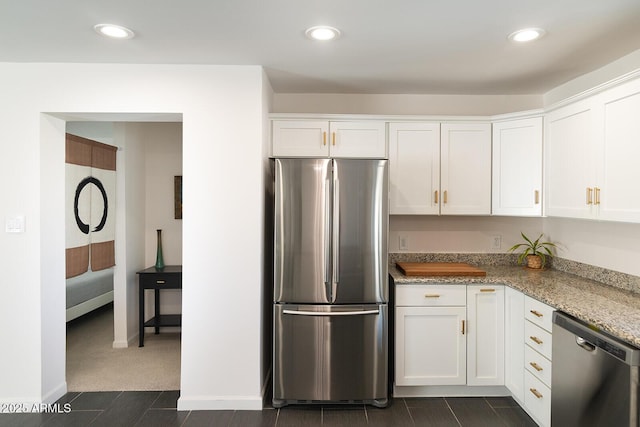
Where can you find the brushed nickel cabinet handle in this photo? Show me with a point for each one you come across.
(536, 313)
(536, 340)
(536, 366)
(536, 393)
(160, 282)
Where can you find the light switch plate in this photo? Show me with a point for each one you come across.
(15, 224)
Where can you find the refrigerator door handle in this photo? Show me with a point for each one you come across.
(327, 237)
(331, 313)
(336, 239)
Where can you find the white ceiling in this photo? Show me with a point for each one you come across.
(387, 46)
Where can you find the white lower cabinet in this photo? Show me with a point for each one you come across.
(528, 342)
(475, 335)
(485, 335)
(513, 343)
(537, 400)
(449, 335)
(430, 346)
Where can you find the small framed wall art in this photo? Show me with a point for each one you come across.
(177, 196)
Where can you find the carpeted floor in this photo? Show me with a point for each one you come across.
(94, 365)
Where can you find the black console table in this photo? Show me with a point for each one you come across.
(169, 277)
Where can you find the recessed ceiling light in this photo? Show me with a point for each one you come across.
(322, 32)
(527, 34)
(114, 31)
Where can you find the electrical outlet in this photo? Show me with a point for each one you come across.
(496, 241)
(403, 242)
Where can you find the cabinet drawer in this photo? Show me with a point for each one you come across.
(538, 365)
(537, 399)
(161, 280)
(538, 313)
(431, 295)
(538, 339)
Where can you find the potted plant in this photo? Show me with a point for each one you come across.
(534, 252)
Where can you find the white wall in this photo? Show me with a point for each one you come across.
(163, 160)
(459, 234)
(223, 119)
(349, 103)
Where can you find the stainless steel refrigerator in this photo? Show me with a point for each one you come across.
(330, 281)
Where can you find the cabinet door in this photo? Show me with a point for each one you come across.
(358, 139)
(465, 178)
(618, 194)
(517, 167)
(430, 346)
(569, 161)
(300, 138)
(485, 335)
(514, 343)
(414, 168)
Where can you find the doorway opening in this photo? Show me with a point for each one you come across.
(102, 344)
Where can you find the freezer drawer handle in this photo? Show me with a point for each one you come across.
(331, 313)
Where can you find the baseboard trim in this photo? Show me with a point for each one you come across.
(55, 394)
(214, 403)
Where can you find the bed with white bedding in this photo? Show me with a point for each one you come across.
(89, 291)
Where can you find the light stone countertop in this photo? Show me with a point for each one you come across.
(610, 309)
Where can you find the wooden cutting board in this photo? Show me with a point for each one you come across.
(439, 269)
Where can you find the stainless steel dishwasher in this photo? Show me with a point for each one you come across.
(594, 377)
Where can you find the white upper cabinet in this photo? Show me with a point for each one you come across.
(618, 178)
(569, 161)
(321, 138)
(440, 169)
(465, 174)
(592, 152)
(517, 167)
(414, 168)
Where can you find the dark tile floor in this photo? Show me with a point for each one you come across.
(158, 409)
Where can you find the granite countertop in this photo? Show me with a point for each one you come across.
(610, 309)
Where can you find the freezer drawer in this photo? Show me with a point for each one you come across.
(330, 354)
